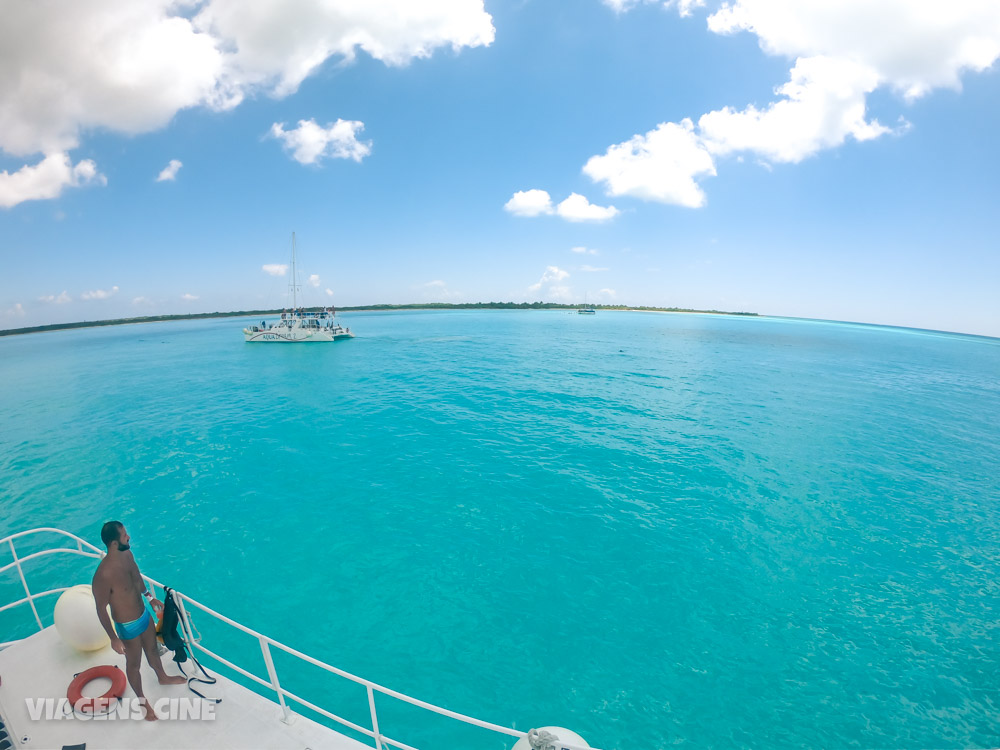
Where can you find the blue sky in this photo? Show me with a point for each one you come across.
(831, 160)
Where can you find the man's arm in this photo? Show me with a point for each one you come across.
(102, 597)
(140, 585)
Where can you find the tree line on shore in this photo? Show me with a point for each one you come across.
(359, 308)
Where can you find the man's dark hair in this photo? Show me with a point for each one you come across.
(111, 532)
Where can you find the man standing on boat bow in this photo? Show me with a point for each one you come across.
(118, 582)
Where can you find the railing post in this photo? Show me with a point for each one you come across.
(273, 674)
(371, 705)
(25, 584)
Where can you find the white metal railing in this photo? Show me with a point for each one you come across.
(86, 549)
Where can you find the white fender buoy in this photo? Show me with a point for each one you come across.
(558, 735)
(76, 619)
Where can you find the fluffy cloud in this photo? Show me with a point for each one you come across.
(314, 280)
(607, 293)
(189, 297)
(275, 269)
(683, 6)
(912, 45)
(170, 171)
(17, 311)
(160, 56)
(60, 299)
(825, 103)
(593, 269)
(583, 250)
(843, 51)
(529, 203)
(129, 67)
(329, 292)
(46, 179)
(550, 279)
(309, 143)
(575, 208)
(152, 63)
(99, 293)
(661, 165)
(276, 44)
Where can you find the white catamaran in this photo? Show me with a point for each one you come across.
(297, 325)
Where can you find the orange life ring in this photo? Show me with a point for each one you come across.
(75, 691)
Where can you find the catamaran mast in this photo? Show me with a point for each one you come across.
(295, 304)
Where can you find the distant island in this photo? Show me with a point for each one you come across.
(361, 308)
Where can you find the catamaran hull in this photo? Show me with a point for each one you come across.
(295, 336)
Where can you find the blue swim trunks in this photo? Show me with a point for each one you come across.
(129, 630)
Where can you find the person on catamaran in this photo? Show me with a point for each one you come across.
(118, 582)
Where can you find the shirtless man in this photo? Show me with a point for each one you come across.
(117, 582)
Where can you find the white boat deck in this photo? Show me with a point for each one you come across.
(42, 666)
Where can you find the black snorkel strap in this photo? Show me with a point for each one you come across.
(185, 627)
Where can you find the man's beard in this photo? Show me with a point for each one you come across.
(124, 547)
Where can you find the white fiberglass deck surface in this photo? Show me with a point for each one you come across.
(42, 666)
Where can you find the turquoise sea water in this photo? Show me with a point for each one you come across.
(654, 529)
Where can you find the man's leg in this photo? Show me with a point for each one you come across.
(133, 659)
(148, 639)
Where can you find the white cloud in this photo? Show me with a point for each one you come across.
(309, 143)
(912, 45)
(593, 269)
(61, 299)
(661, 165)
(529, 203)
(17, 311)
(275, 269)
(189, 297)
(157, 57)
(276, 44)
(161, 56)
(583, 251)
(551, 275)
(329, 292)
(46, 179)
(577, 208)
(843, 51)
(170, 171)
(100, 293)
(607, 293)
(152, 63)
(824, 103)
(683, 6)
(141, 301)
(314, 280)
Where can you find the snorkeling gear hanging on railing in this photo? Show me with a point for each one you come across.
(176, 642)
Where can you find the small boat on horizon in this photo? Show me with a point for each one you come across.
(298, 325)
